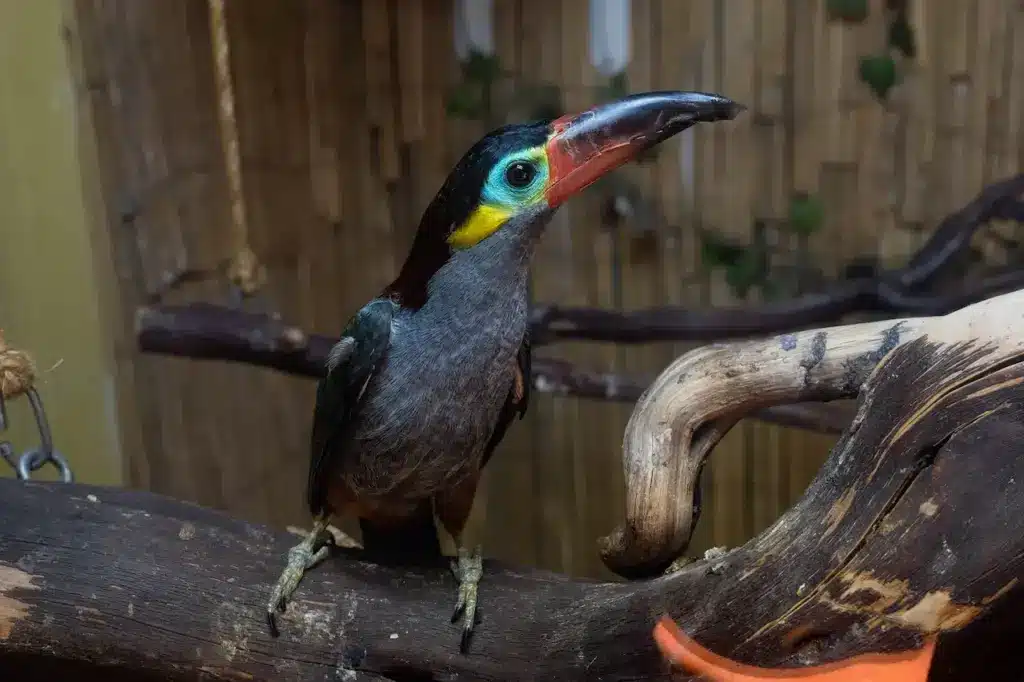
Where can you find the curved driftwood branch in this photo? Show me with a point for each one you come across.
(211, 332)
(914, 526)
(704, 393)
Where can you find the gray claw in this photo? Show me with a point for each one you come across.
(302, 557)
(468, 569)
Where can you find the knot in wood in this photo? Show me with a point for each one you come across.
(17, 371)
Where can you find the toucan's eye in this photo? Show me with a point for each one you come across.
(520, 174)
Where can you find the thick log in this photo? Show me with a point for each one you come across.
(914, 526)
(698, 398)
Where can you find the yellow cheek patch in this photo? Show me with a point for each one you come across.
(482, 223)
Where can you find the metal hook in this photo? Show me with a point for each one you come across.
(7, 454)
(33, 460)
(42, 423)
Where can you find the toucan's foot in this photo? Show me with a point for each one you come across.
(468, 569)
(302, 557)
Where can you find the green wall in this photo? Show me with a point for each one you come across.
(49, 292)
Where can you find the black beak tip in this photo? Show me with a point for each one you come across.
(686, 109)
(733, 109)
(709, 107)
(674, 111)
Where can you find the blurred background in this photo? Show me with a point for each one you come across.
(868, 122)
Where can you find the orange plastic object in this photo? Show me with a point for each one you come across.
(681, 650)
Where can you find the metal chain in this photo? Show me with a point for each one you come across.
(33, 460)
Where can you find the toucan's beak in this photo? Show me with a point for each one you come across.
(583, 147)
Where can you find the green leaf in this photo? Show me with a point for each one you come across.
(481, 69)
(465, 101)
(879, 73)
(742, 275)
(901, 36)
(806, 214)
(847, 10)
(717, 252)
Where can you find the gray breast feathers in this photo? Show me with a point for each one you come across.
(432, 407)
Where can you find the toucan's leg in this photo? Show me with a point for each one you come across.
(468, 569)
(313, 549)
(453, 508)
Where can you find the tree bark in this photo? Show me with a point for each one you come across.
(700, 396)
(914, 526)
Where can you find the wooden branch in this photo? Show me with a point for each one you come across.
(210, 332)
(554, 323)
(704, 393)
(915, 526)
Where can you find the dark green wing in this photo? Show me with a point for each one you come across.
(513, 404)
(350, 366)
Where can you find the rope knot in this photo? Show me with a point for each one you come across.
(17, 371)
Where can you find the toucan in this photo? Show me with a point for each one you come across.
(428, 376)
